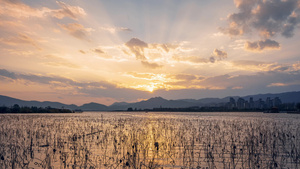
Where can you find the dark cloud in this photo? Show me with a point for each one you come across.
(77, 30)
(212, 59)
(186, 77)
(151, 65)
(267, 17)
(135, 42)
(98, 51)
(137, 47)
(92, 89)
(288, 29)
(259, 81)
(182, 79)
(7, 74)
(82, 51)
(12, 1)
(220, 54)
(261, 45)
(53, 80)
(101, 53)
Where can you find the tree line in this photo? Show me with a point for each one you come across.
(25, 109)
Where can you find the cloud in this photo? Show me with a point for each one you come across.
(22, 38)
(164, 47)
(66, 10)
(151, 65)
(57, 61)
(82, 51)
(113, 29)
(77, 30)
(220, 54)
(137, 47)
(98, 51)
(18, 9)
(154, 55)
(186, 85)
(266, 17)
(55, 80)
(261, 45)
(212, 59)
(196, 59)
(7, 74)
(166, 81)
(192, 59)
(185, 77)
(8, 25)
(277, 84)
(145, 76)
(259, 81)
(65, 85)
(296, 66)
(250, 65)
(237, 87)
(101, 53)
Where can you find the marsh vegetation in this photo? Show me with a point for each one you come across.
(147, 141)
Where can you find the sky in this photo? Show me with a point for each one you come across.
(74, 51)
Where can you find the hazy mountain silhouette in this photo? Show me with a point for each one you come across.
(9, 101)
(93, 107)
(156, 102)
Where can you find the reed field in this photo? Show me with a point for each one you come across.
(149, 140)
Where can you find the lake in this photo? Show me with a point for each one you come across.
(150, 140)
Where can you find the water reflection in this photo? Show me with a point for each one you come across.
(150, 140)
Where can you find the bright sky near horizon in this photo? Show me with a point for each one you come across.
(75, 51)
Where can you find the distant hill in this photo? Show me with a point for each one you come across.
(156, 102)
(161, 102)
(9, 101)
(119, 106)
(93, 107)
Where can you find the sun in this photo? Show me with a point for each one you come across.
(146, 87)
(150, 88)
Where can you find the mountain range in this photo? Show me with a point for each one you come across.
(155, 102)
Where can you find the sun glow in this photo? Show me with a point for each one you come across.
(148, 87)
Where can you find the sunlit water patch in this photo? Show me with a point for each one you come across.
(150, 140)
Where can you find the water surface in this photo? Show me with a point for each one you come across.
(150, 140)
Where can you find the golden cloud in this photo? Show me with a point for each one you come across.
(22, 38)
(77, 30)
(17, 9)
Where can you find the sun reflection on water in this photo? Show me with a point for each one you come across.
(145, 140)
